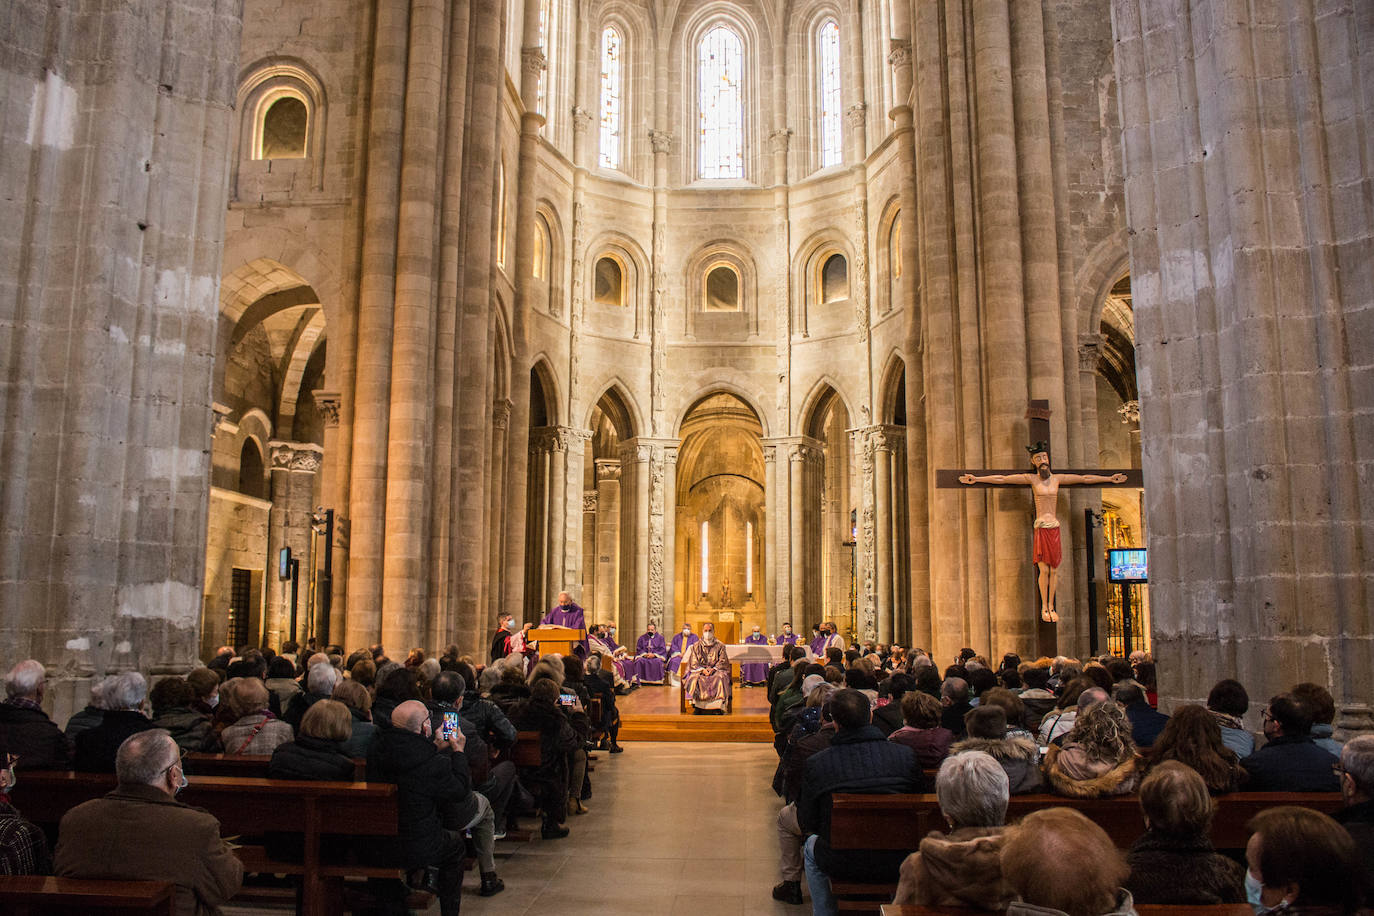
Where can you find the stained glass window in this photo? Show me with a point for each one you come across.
(828, 57)
(610, 98)
(548, 31)
(720, 70)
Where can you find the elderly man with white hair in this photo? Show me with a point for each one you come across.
(320, 680)
(140, 832)
(434, 800)
(124, 716)
(962, 868)
(25, 729)
(1356, 769)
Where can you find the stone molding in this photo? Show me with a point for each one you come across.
(305, 457)
(899, 52)
(557, 438)
(500, 413)
(590, 499)
(219, 420)
(607, 469)
(533, 61)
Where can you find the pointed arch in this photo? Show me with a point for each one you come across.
(616, 402)
(892, 391)
(544, 396)
(824, 394)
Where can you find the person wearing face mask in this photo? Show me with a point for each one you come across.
(1302, 863)
(754, 674)
(682, 642)
(23, 848)
(96, 748)
(140, 832)
(500, 640)
(707, 682)
(650, 652)
(787, 637)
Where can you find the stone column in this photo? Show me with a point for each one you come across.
(634, 530)
(768, 557)
(668, 550)
(332, 480)
(807, 462)
(607, 559)
(109, 301)
(880, 444)
(294, 468)
(496, 507)
(1251, 245)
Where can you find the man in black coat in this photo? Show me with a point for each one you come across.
(1146, 723)
(97, 747)
(1357, 790)
(859, 760)
(954, 698)
(434, 799)
(25, 729)
(495, 781)
(1291, 761)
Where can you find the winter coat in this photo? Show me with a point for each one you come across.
(1018, 756)
(96, 747)
(284, 688)
(23, 846)
(296, 706)
(952, 718)
(315, 759)
(888, 717)
(1358, 820)
(1056, 723)
(34, 737)
(1322, 736)
(1124, 906)
(962, 869)
(860, 761)
(189, 729)
(1291, 764)
(930, 744)
(89, 717)
(257, 734)
(1146, 723)
(793, 763)
(428, 781)
(364, 731)
(492, 724)
(1182, 870)
(1039, 703)
(1072, 772)
(556, 740)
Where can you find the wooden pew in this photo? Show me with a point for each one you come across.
(34, 895)
(248, 765)
(250, 806)
(899, 822)
(1144, 909)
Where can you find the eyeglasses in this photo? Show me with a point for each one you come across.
(1338, 770)
(179, 762)
(1268, 716)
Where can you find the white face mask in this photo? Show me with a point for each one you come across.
(213, 701)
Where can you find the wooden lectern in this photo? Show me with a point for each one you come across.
(557, 639)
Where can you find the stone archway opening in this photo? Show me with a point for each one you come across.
(720, 518)
(606, 514)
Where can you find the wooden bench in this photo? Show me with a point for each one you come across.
(247, 765)
(33, 895)
(900, 822)
(248, 807)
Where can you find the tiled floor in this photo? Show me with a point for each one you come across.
(672, 828)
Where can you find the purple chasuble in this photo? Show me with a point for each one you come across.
(651, 653)
(572, 617)
(754, 672)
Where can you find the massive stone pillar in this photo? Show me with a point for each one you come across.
(1246, 143)
(332, 483)
(606, 599)
(116, 152)
(777, 612)
(294, 468)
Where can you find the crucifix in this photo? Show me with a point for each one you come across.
(1047, 549)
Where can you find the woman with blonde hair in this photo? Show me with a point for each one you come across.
(317, 753)
(1098, 757)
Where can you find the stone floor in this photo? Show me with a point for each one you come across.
(672, 828)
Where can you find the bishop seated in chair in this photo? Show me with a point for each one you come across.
(707, 682)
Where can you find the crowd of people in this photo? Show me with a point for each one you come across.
(882, 720)
(439, 728)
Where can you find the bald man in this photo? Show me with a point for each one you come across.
(435, 801)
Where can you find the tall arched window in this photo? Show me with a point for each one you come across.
(828, 69)
(610, 98)
(720, 75)
(500, 214)
(548, 34)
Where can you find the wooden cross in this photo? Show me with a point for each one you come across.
(1039, 416)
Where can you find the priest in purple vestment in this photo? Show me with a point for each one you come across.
(615, 663)
(754, 673)
(787, 637)
(681, 643)
(707, 682)
(650, 654)
(818, 641)
(568, 613)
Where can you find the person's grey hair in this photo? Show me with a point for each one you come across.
(100, 691)
(973, 790)
(430, 668)
(922, 661)
(973, 665)
(24, 679)
(145, 756)
(321, 679)
(594, 662)
(128, 691)
(1127, 692)
(1357, 759)
(956, 688)
(384, 670)
(1091, 697)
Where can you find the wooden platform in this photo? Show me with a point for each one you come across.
(651, 714)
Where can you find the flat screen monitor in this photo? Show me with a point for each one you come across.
(1127, 565)
(284, 563)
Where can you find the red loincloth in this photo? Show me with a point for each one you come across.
(1047, 547)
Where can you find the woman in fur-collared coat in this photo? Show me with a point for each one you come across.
(1098, 757)
(1017, 754)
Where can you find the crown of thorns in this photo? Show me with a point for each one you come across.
(1037, 448)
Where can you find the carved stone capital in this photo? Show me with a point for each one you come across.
(500, 413)
(533, 61)
(582, 119)
(804, 453)
(780, 139)
(1089, 351)
(855, 115)
(589, 500)
(607, 469)
(305, 457)
(329, 403)
(660, 140)
(770, 454)
(899, 52)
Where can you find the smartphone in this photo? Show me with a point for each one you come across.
(450, 726)
(567, 699)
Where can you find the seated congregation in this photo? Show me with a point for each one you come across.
(1058, 787)
(469, 749)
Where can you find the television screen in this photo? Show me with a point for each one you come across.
(284, 563)
(1127, 565)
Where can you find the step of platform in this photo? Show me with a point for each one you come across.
(668, 727)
